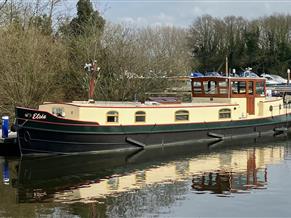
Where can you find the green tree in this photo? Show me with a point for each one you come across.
(87, 18)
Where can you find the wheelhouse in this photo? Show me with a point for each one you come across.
(228, 87)
(246, 89)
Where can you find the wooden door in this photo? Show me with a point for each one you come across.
(250, 97)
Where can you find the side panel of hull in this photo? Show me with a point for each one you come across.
(40, 141)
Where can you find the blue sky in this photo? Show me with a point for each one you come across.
(180, 13)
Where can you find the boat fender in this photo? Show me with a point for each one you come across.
(134, 142)
(215, 135)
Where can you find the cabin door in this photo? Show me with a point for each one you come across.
(250, 98)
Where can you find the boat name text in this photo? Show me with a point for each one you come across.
(37, 116)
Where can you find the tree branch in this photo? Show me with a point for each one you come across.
(2, 6)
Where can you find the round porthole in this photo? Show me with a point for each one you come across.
(271, 108)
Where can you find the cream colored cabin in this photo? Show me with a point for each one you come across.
(213, 99)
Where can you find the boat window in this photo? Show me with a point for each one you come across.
(241, 87)
(223, 84)
(197, 88)
(234, 87)
(210, 87)
(238, 87)
(223, 87)
(250, 88)
(58, 111)
(182, 115)
(112, 117)
(224, 113)
(140, 116)
(260, 88)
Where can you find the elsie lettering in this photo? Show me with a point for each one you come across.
(37, 116)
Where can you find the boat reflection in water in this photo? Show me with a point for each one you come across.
(123, 180)
(226, 182)
(88, 178)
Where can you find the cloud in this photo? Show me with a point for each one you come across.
(161, 19)
(182, 13)
(197, 11)
(136, 21)
(164, 20)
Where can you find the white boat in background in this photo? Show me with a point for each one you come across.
(272, 79)
(248, 73)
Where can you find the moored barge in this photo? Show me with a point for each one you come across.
(221, 107)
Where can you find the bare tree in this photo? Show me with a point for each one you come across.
(3, 4)
(30, 65)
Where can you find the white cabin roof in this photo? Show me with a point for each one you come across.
(139, 104)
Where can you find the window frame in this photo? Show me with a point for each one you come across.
(143, 114)
(114, 114)
(260, 88)
(210, 87)
(224, 111)
(182, 113)
(58, 111)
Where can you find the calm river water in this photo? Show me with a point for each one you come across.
(249, 179)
